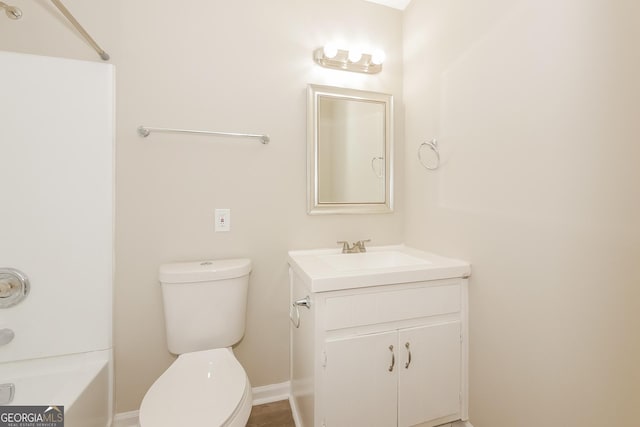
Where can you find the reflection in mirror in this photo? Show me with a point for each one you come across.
(350, 173)
(349, 151)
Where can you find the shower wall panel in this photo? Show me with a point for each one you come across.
(56, 212)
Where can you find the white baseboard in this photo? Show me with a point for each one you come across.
(265, 394)
(462, 424)
(271, 393)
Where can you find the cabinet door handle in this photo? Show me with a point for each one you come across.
(406, 365)
(393, 359)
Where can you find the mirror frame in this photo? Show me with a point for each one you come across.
(314, 207)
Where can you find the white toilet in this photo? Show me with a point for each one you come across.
(205, 310)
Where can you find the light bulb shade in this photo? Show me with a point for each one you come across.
(330, 50)
(329, 56)
(378, 57)
(355, 55)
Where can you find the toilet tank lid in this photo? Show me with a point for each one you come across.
(204, 271)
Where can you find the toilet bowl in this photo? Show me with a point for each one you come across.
(205, 311)
(204, 388)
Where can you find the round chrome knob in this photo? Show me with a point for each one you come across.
(14, 287)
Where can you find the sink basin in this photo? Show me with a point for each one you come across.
(371, 260)
(329, 270)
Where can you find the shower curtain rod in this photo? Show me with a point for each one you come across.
(82, 31)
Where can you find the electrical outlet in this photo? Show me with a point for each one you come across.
(223, 220)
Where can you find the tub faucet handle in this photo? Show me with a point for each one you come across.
(14, 287)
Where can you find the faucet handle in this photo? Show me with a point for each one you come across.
(345, 246)
(361, 244)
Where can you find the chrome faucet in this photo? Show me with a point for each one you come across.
(355, 248)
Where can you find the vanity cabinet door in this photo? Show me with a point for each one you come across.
(429, 385)
(360, 381)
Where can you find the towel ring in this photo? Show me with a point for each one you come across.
(295, 320)
(433, 146)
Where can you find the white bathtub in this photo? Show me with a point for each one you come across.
(79, 382)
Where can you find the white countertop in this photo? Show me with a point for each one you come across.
(329, 270)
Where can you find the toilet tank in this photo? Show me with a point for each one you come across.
(204, 303)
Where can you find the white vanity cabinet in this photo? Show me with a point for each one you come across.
(385, 355)
(369, 380)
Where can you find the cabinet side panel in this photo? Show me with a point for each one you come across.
(302, 355)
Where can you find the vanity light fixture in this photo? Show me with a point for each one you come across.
(349, 60)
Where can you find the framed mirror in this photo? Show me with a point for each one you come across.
(349, 151)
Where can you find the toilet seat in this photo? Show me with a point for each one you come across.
(203, 388)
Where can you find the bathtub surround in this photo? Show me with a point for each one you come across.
(533, 106)
(56, 228)
(56, 225)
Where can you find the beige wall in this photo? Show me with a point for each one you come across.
(535, 104)
(238, 66)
